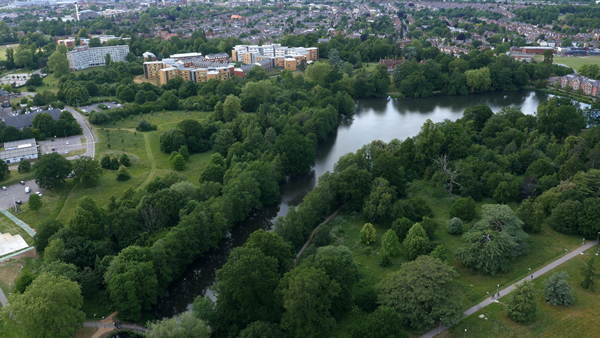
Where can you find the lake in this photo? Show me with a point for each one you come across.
(375, 119)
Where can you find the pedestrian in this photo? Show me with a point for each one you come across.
(531, 276)
(493, 295)
(498, 294)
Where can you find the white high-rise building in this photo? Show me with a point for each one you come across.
(84, 57)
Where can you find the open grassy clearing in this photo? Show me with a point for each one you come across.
(8, 226)
(147, 162)
(3, 50)
(574, 62)
(576, 320)
(545, 247)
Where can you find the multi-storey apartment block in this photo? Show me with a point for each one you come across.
(84, 57)
(280, 56)
(191, 67)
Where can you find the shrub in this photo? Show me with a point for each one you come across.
(463, 208)
(401, 227)
(24, 167)
(367, 234)
(114, 163)
(99, 118)
(178, 162)
(454, 226)
(105, 162)
(124, 160)
(123, 174)
(143, 125)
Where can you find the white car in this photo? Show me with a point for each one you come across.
(38, 193)
(66, 151)
(67, 142)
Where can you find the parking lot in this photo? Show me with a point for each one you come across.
(17, 192)
(60, 144)
(94, 107)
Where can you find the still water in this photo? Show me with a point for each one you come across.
(375, 119)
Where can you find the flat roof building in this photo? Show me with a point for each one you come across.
(85, 57)
(18, 151)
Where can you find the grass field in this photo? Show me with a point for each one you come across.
(8, 226)
(574, 62)
(576, 320)
(147, 159)
(3, 50)
(545, 247)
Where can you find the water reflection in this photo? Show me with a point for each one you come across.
(375, 119)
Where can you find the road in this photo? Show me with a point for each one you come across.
(538, 273)
(88, 132)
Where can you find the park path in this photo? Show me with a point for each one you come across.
(20, 223)
(105, 325)
(538, 273)
(329, 218)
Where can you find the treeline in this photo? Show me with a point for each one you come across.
(132, 250)
(474, 72)
(576, 18)
(542, 161)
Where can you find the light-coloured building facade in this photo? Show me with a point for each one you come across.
(18, 151)
(84, 57)
(189, 68)
(249, 54)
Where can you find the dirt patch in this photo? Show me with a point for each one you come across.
(10, 269)
(142, 79)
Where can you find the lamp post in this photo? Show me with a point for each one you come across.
(96, 325)
(465, 332)
(497, 287)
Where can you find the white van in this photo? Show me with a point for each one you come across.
(27, 190)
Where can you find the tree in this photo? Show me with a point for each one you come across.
(557, 290)
(390, 246)
(548, 57)
(183, 151)
(307, 296)
(23, 281)
(463, 208)
(58, 64)
(246, 287)
(589, 274)
(125, 93)
(35, 312)
(107, 59)
(297, 151)
(559, 117)
(448, 175)
(257, 73)
(105, 162)
(378, 206)
(51, 170)
(260, 329)
(338, 263)
(478, 114)
(521, 305)
(566, 216)
(94, 42)
(125, 160)
(454, 226)
(131, 282)
(385, 322)
(178, 162)
(24, 167)
(493, 240)
(186, 325)
(87, 170)
(231, 107)
(422, 303)
(35, 202)
(368, 234)
(502, 193)
(272, 245)
(3, 169)
(532, 215)
(123, 174)
(416, 242)
(478, 80)
(44, 232)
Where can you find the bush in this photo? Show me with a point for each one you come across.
(24, 167)
(143, 125)
(463, 208)
(99, 118)
(105, 162)
(124, 160)
(35, 202)
(114, 163)
(401, 227)
(454, 226)
(102, 106)
(123, 174)
(178, 162)
(367, 234)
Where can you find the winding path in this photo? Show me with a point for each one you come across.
(538, 273)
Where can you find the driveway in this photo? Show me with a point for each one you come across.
(16, 192)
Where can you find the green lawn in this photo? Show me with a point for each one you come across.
(147, 159)
(574, 62)
(545, 246)
(3, 50)
(8, 226)
(15, 177)
(576, 320)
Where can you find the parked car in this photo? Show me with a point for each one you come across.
(52, 140)
(67, 142)
(27, 190)
(53, 149)
(4, 188)
(22, 183)
(66, 151)
(19, 202)
(38, 193)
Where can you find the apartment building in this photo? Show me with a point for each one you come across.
(189, 68)
(84, 57)
(250, 54)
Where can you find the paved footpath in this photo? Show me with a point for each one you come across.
(507, 290)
